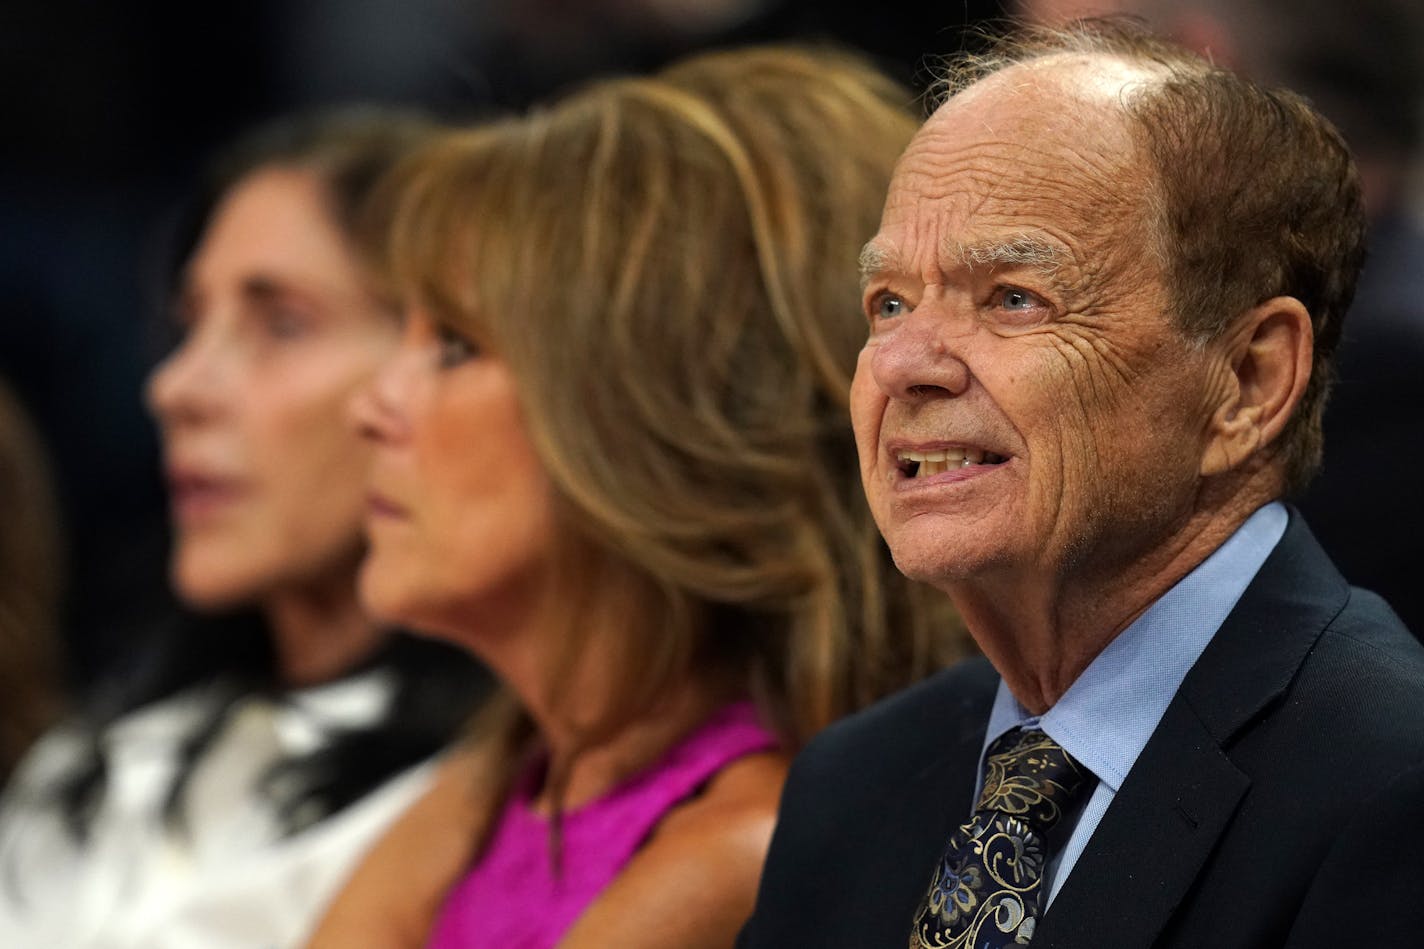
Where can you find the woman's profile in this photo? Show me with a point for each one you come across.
(218, 790)
(612, 459)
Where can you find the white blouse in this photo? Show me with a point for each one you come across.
(226, 879)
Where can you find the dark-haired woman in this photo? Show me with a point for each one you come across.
(230, 777)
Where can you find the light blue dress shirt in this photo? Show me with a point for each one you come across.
(1109, 712)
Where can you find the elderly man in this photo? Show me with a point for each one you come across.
(1102, 306)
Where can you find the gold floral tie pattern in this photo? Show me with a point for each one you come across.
(987, 890)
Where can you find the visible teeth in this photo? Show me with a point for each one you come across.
(927, 464)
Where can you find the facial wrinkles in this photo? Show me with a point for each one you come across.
(1076, 196)
(1080, 199)
(1108, 178)
(1091, 293)
(1106, 351)
(1081, 146)
(952, 197)
(1101, 382)
(982, 179)
(1025, 250)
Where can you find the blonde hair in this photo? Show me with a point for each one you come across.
(668, 266)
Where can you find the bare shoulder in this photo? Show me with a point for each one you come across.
(391, 898)
(695, 880)
(726, 826)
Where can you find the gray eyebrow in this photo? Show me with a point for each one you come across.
(1020, 250)
(874, 259)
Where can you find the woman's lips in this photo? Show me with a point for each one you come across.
(196, 496)
(378, 505)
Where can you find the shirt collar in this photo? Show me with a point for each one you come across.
(305, 719)
(1107, 715)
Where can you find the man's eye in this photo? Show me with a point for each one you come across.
(1012, 298)
(455, 349)
(887, 306)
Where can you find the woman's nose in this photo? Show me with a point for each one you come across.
(377, 408)
(189, 384)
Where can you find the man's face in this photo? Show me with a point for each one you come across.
(1024, 406)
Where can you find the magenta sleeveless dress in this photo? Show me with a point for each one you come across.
(512, 899)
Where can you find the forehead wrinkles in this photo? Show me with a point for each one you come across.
(1023, 160)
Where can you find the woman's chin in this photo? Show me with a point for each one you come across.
(208, 589)
(383, 596)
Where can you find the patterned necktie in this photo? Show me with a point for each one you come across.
(987, 890)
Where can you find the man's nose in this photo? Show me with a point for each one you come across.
(921, 358)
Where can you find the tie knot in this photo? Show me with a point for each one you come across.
(1029, 776)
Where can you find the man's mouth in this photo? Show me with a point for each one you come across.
(927, 464)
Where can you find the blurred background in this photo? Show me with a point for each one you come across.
(109, 111)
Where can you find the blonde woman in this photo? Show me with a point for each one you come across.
(613, 460)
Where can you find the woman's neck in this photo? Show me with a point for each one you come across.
(587, 771)
(585, 758)
(526, 635)
(319, 631)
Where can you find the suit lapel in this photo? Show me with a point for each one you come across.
(1143, 857)
(898, 848)
(932, 805)
(1183, 790)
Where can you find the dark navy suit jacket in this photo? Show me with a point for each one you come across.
(1280, 802)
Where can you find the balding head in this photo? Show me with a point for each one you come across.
(1249, 192)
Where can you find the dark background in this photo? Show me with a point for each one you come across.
(108, 112)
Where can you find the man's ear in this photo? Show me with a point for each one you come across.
(1267, 365)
